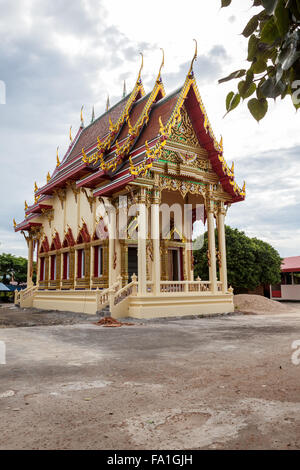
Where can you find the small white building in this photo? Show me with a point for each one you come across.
(289, 289)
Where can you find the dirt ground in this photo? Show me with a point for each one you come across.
(207, 383)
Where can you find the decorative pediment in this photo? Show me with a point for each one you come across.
(183, 132)
(69, 238)
(56, 244)
(83, 235)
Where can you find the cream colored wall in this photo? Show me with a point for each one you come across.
(72, 214)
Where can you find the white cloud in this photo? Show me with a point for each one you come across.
(56, 56)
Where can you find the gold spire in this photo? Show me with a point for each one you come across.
(232, 168)
(244, 187)
(57, 158)
(93, 114)
(161, 66)
(81, 117)
(141, 68)
(26, 206)
(15, 223)
(107, 103)
(48, 177)
(35, 187)
(194, 58)
(71, 139)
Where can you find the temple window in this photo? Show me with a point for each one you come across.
(66, 266)
(53, 268)
(98, 261)
(42, 270)
(80, 264)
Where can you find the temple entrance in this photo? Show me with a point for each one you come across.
(132, 262)
(174, 264)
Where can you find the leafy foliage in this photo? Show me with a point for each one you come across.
(274, 55)
(250, 262)
(11, 265)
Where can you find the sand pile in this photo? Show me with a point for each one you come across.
(258, 304)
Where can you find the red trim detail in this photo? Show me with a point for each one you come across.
(84, 236)
(69, 239)
(56, 244)
(276, 293)
(37, 208)
(44, 246)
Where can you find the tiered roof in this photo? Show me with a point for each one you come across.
(126, 140)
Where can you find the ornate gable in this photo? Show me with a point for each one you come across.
(183, 132)
(183, 146)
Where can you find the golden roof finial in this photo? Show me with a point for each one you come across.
(232, 168)
(107, 103)
(15, 223)
(48, 177)
(221, 144)
(26, 206)
(244, 187)
(81, 116)
(71, 139)
(35, 187)
(141, 68)
(111, 126)
(131, 130)
(57, 158)
(162, 129)
(194, 58)
(161, 66)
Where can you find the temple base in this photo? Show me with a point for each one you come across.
(148, 306)
(180, 305)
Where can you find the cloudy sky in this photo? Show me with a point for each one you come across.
(59, 55)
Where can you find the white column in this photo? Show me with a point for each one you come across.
(222, 248)
(112, 245)
(155, 234)
(142, 236)
(30, 261)
(211, 248)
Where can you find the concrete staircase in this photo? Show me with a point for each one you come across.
(105, 312)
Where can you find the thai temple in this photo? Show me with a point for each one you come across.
(105, 228)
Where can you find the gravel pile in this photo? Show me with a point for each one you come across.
(258, 304)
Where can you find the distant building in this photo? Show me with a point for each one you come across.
(289, 288)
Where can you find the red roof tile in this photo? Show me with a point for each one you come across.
(98, 128)
(161, 109)
(291, 264)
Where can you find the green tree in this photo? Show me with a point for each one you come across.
(273, 35)
(250, 262)
(11, 265)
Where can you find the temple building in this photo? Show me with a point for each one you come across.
(106, 227)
